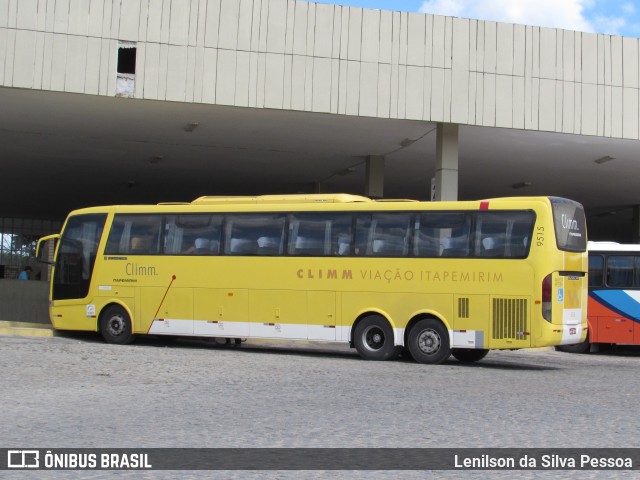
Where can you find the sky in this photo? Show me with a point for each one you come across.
(614, 17)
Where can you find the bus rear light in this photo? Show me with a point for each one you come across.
(484, 205)
(546, 298)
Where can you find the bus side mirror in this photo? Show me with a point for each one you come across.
(45, 249)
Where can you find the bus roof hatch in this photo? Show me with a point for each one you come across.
(299, 198)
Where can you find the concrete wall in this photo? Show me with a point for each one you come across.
(22, 301)
(285, 54)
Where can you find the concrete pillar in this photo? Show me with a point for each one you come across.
(446, 187)
(635, 233)
(374, 187)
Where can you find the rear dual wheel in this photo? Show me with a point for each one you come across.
(373, 339)
(428, 342)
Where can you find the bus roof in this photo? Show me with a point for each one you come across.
(612, 247)
(303, 202)
(328, 198)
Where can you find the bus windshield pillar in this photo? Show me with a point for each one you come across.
(446, 185)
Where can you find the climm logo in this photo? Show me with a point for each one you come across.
(327, 274)
(569, 223)
(134, 269)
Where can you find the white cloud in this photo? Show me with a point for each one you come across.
(610, 25)
(629, 8)
(567, 14)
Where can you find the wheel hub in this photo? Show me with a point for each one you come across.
(429, 342)
(374, 338)
(116, 326)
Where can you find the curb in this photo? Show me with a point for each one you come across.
(26, 329)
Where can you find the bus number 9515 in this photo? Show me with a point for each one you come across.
(540, 236)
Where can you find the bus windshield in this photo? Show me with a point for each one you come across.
(77, 255)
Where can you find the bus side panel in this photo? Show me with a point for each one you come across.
(69, 315)
(511, 322)
(321, 316)
(221, 312)
(83, 314)
(278, 314)
(614, 315)
(170, 311)
(471, 325)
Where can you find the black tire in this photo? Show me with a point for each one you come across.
(115, 325)
(583, 347)
(373, 338)
(469, 355)
(428, 342)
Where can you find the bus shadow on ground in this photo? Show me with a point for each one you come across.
(617, 350)
(490, 364)
(310, 350)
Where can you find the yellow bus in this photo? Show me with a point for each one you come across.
(430, 279)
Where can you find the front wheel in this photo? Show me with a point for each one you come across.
(115, 325)
(429, 342)
(373, 338)
(469, 355)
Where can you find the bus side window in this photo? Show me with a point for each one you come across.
(140, 245)
(192, 234)
(620, 271)
(503, 234)
(307, 235)
(363, 241)
(135, 234)
(319, 234)
(492, 247)
(491, 228)
(383, 234)
(442, 234)
(426, 244)
(119, 238)
(457, 244)
(340, 236)
(238, 238)
(255, 234)
(519, 233)
(596, 270)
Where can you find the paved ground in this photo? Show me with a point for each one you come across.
(76, 391)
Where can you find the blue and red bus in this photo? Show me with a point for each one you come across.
(613, 310)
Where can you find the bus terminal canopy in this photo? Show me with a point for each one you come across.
(66, 151)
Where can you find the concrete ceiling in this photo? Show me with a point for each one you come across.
(61, 151)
